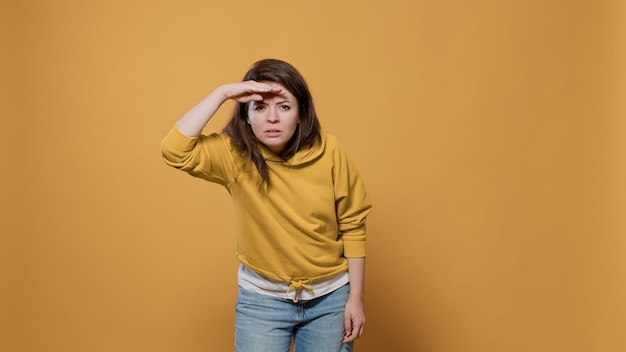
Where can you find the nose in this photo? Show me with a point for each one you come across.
(272, 115)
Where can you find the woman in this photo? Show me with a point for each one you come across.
(300, 208)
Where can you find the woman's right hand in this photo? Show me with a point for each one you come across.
(192, 123)
(247, 91)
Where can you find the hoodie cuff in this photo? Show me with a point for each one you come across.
(176, 144)
(354, 249)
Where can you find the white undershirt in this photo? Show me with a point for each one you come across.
(254, 282)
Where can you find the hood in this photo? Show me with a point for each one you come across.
(302, 156)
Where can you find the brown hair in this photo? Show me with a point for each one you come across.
(307, 131)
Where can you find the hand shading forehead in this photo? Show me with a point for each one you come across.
(284, 94)
(278, 98)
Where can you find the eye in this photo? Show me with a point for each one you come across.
(259, 107)
(285, 107)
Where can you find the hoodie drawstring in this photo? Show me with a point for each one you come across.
(297, 286)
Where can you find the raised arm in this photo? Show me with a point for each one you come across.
(192, 123)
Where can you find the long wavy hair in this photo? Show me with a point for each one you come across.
(307, 131)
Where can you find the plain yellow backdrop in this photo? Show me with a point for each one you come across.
(490, 134)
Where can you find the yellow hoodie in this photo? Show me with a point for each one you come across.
(304, 226)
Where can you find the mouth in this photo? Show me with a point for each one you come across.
(272, 132)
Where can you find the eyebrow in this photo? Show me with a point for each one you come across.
(264, 101)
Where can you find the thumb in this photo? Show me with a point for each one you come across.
(348, 326)
(249, 97)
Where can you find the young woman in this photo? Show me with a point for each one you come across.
(300, 208)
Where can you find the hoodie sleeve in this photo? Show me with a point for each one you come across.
(351, 203)
(206, 157)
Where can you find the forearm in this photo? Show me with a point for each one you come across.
(356, 274)
(354, 313)
(192, 123)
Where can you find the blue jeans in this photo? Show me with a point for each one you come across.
(268, 324)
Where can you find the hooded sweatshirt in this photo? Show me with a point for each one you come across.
(303, 226)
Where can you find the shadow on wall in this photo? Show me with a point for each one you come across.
(393, 327)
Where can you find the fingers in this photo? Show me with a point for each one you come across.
(262, 87)
(253, 88)
(353, 329)
(247, 91)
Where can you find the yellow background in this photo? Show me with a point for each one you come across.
(491, 135)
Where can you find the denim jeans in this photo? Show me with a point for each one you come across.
(267, 324)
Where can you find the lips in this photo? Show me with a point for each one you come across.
(272, 133)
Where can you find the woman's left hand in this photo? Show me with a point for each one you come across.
(354, 317)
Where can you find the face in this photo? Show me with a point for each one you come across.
(274, 119)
